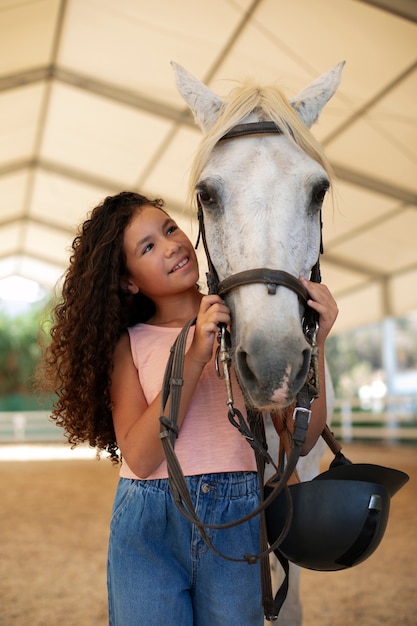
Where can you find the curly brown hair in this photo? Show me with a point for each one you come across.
(88, 321)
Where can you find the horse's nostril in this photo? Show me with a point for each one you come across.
(244, 367)
(303, 371)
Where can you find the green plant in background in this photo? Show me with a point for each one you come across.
(355, 355)
(20, 355)
(352, 357)
(406, 341)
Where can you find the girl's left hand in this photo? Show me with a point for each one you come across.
(322, 301)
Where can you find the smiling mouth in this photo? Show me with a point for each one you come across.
(180, 265)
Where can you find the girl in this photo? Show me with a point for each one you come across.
(129, 289)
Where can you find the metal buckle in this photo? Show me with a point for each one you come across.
(223, 356)
(300, 409)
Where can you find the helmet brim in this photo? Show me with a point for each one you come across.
(389, 478)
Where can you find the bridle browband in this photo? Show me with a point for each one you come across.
(252, 128)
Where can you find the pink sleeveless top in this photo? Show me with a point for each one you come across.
(207, 441)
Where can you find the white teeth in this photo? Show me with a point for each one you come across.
(181, 264)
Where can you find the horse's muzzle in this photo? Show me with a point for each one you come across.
(270, 380)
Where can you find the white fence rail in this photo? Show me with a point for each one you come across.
(391, 419)
(28, 426)
(387, 419)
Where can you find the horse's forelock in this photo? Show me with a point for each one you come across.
(271, 104)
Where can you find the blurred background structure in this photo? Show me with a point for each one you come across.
(88, 107)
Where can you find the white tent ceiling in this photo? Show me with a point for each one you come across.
(88, 107)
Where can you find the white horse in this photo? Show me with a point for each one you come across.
(260, 198)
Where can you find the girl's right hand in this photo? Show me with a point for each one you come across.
(213, 311)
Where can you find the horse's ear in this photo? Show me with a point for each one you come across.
(204, 104)
(309, 103)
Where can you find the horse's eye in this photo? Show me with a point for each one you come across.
(209, 193)
(319, 192)
(205, 196)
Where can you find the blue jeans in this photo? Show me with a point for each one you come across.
(160, 571)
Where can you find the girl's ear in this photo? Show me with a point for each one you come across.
(129, 286)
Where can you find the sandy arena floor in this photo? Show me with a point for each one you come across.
(54, 525)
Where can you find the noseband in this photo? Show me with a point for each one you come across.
(272, 278)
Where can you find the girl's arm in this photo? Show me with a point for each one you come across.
(135, 422)
(322, 301)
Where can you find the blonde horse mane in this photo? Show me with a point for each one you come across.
(271, 104)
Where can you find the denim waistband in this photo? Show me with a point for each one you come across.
(227, 484)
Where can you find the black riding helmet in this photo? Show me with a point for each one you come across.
(339, 517)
